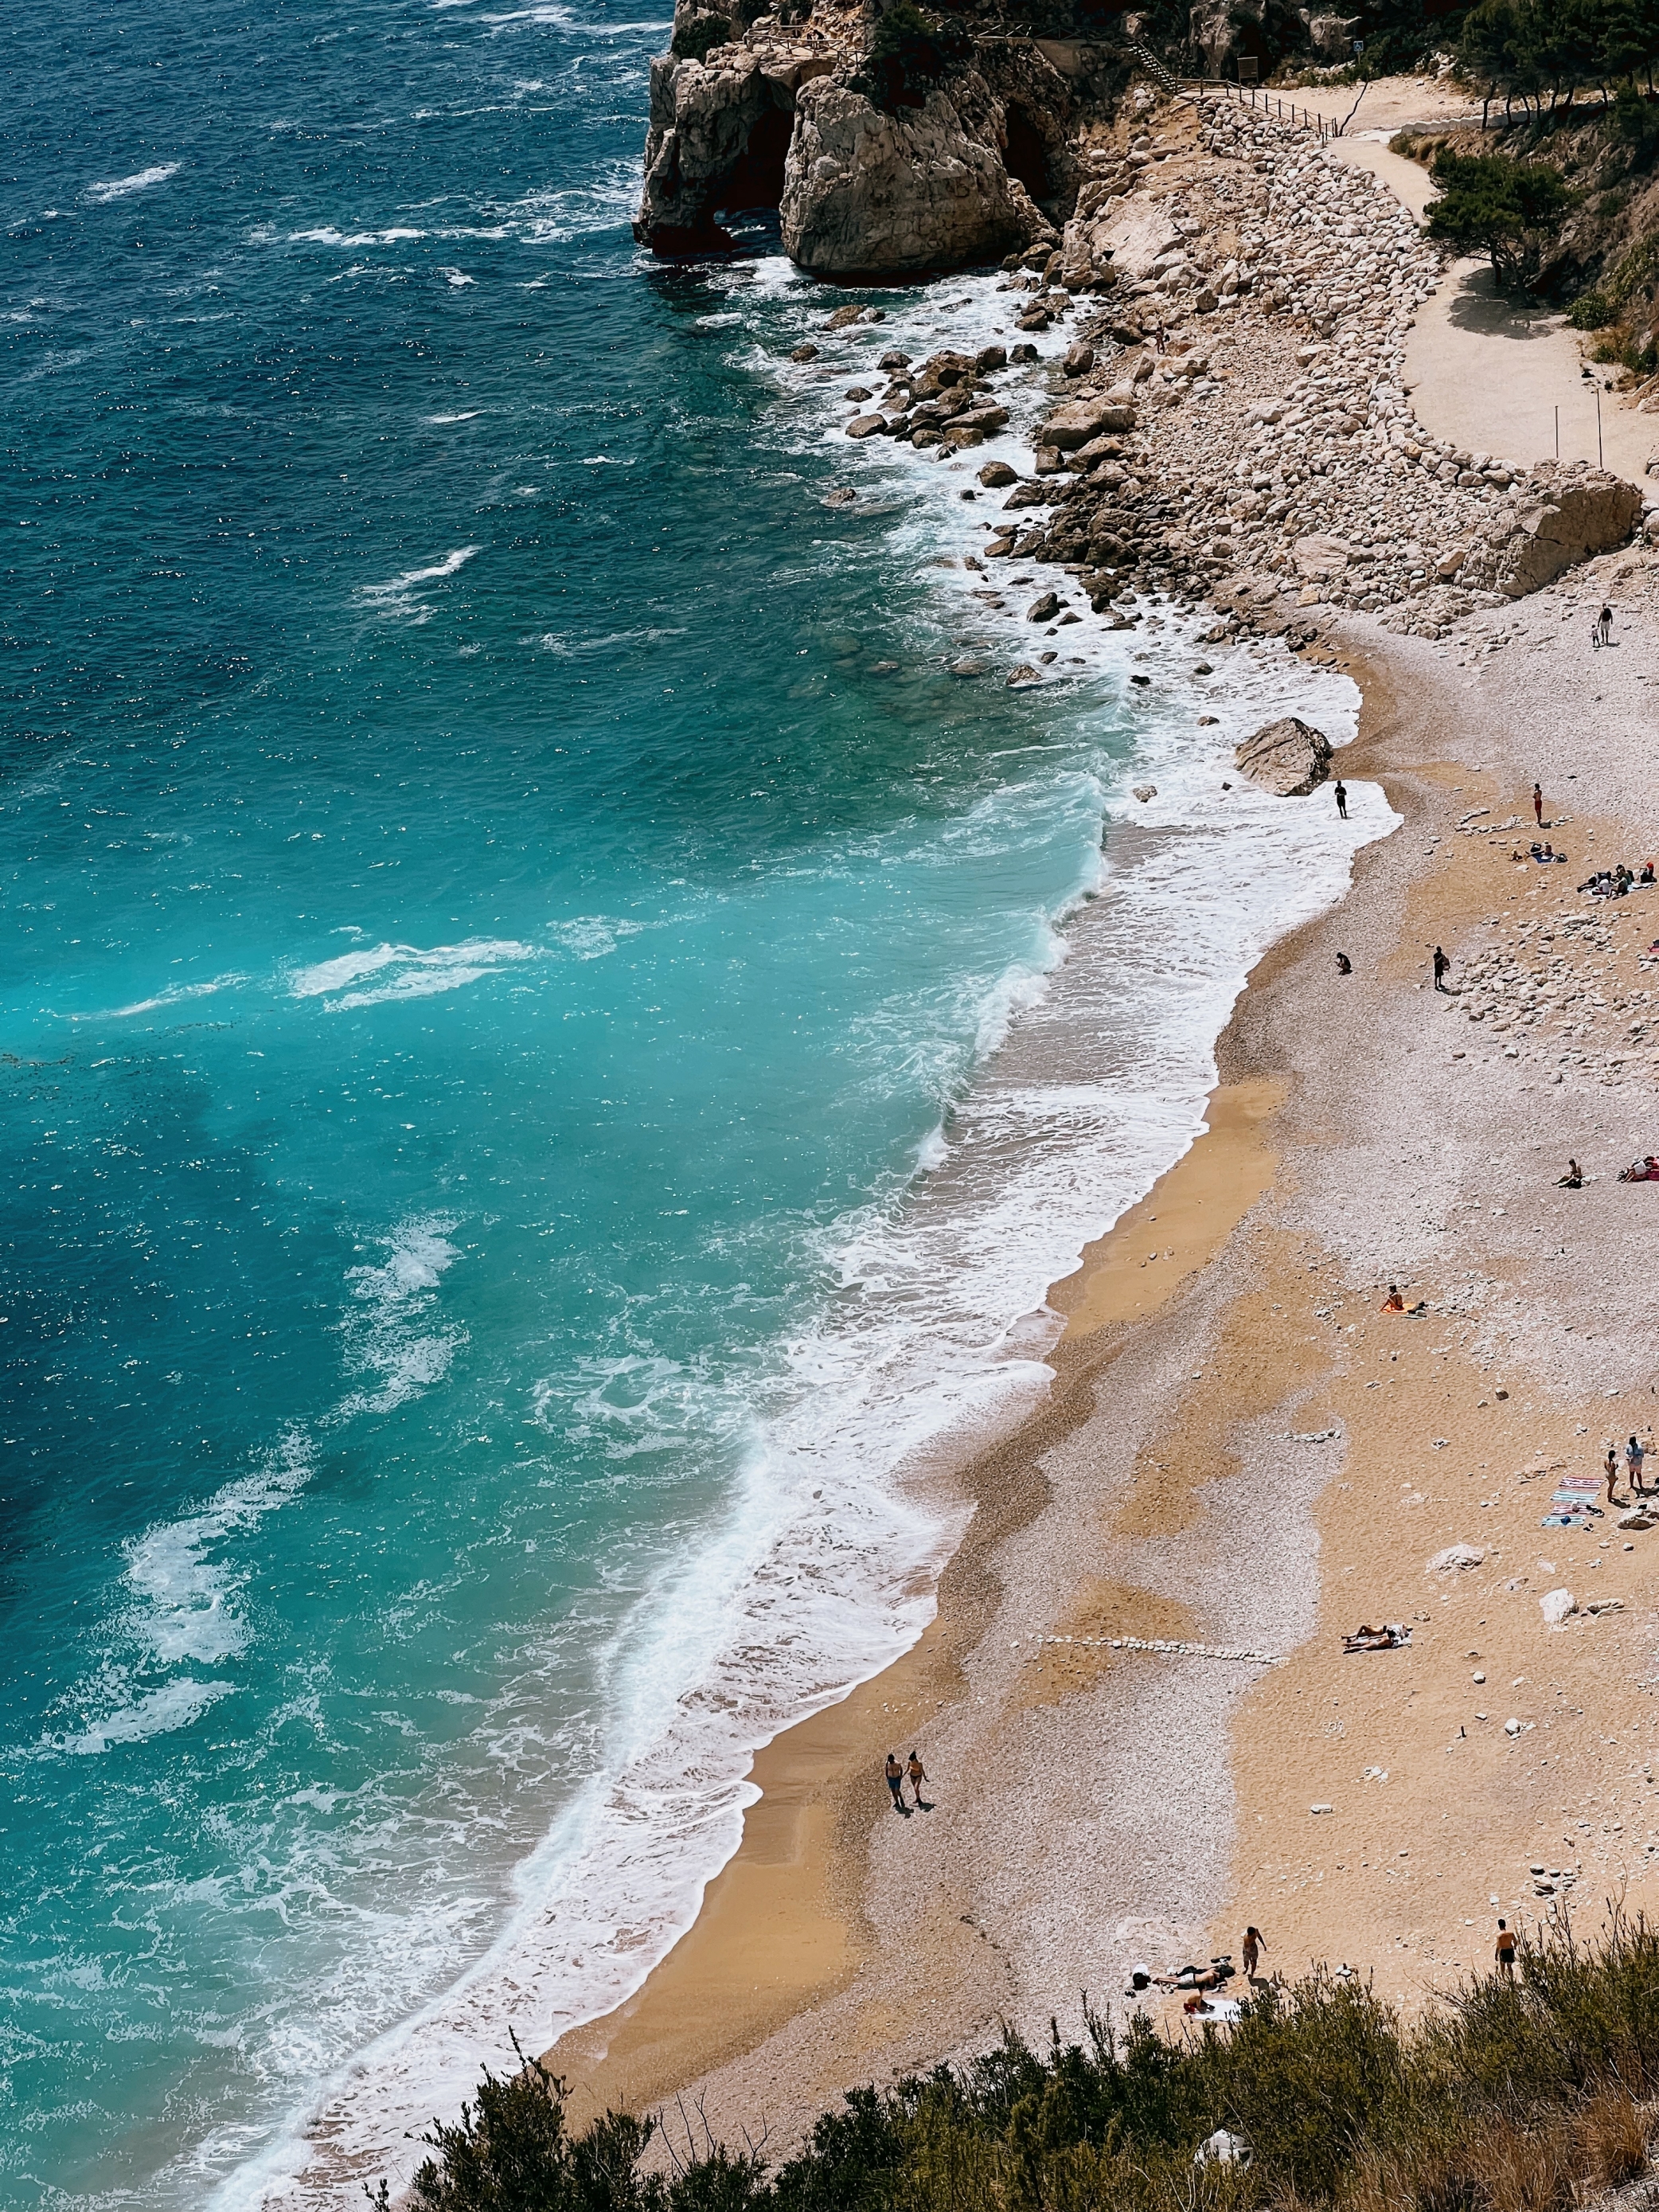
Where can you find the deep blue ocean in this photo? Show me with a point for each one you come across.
(506, 1013)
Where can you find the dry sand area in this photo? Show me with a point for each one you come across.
(1242, 1452)
(1493, 374)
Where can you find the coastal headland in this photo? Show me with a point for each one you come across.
(1140, 1726)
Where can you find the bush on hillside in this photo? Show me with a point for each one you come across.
(1512, 2093)
(1508, 210)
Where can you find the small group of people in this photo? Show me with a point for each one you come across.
(914, 1772)
(1546, 853)
(1635, 1459)
(1642, 1170)
(1601, 629)
(1618, 882)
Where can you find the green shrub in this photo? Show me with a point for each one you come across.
(1512, 2093)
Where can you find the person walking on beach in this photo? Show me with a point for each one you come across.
(896, 1783)
(1441, 966)
(1635, 1453)
(1538, 804)
(1610, 1468)
(1252, 1946)
(1604, 625)
(1503, 1951)
(1342, 798)
(918, 1774)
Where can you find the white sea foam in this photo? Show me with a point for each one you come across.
(157, 1712)
(391, 1336)
(1097, 1056)
(177, 995)
(118, 188)
(399, 595)
(377, 975)
(182, 1600)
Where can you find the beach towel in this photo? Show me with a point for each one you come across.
(1571, 1502)
(1580, 1482)
(1564, 1521)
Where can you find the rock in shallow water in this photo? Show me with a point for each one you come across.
(1288, 757)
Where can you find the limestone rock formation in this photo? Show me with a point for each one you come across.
(1289, 757)
(868, 192)
(1576, 511)
(720, 130)
(1075, 423)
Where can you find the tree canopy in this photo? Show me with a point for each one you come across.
(1508, 210)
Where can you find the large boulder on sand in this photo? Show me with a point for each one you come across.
(1570, 512)
(1289, 757)
(867, 192)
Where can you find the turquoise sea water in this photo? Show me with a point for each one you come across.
(505, 1146)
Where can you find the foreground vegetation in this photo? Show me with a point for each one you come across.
(1508, 2096)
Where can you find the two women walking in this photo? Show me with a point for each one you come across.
(915, 1773)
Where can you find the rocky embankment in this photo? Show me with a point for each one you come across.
(1231, 423)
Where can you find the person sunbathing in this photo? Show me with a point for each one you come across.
(1573, 1179)
(1394, 1303)
(1645, 1170)
(1366, 1638)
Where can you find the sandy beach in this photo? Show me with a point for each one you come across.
(1242, 1451)
(1244, 1455)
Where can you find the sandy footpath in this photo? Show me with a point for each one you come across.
(1242, 1452)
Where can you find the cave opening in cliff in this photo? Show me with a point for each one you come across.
(756, 178)
(1026, 156)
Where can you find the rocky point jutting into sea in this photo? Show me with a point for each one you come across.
(1230, 424)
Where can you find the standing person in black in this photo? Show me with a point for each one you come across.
(1441, 966)
(1342, 798)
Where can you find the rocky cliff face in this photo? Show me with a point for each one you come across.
(867, 192)
(778, 119)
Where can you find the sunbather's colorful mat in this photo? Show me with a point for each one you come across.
(1565, 1520)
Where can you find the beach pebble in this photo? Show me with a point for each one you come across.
(1146, 791)
(1322, 1808)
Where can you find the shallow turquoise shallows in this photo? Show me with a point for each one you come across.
(481, 948)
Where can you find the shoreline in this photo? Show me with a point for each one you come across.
(782, 1925)
(1174, 1388)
